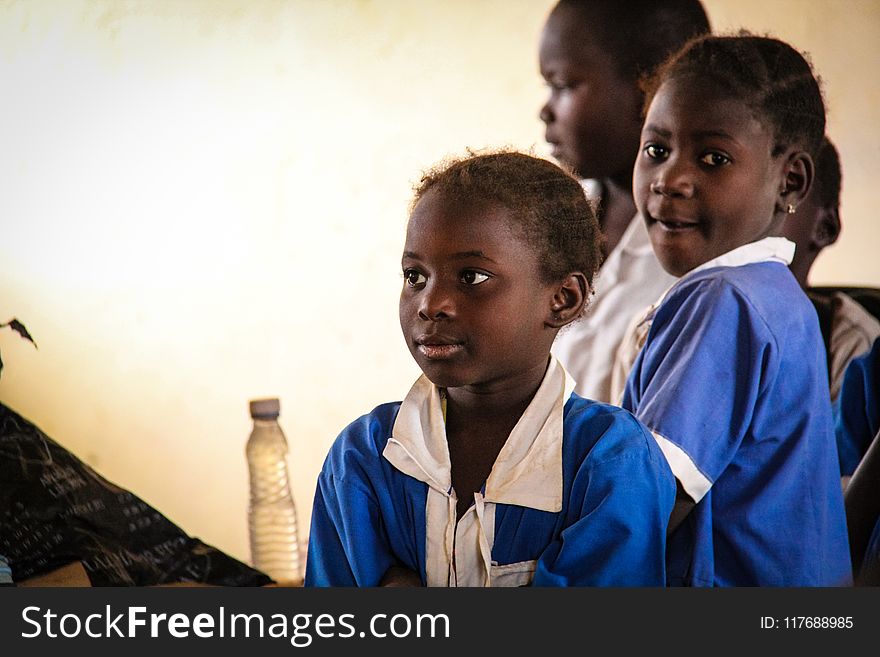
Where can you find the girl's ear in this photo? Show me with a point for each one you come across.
(797, 178)
(568, 301)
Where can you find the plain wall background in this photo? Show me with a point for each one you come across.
(204, 201)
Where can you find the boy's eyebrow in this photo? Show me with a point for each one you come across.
(461, 255)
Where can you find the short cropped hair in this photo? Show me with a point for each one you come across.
(640, 34)
(548, 204)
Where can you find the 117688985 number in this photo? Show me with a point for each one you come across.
(817, 622)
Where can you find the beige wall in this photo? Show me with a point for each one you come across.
(204, 202)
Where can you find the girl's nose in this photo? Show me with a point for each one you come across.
(435, 304)
(673, 181)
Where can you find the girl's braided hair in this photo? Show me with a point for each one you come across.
(773, 79)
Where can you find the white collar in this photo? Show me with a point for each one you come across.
(528, 469)
(768, 249)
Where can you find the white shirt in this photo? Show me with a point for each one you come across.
(527, 472)
(629, 280)
(853, 331)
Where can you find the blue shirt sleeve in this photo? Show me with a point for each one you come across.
(857, 409)
(703, 367)
(621, 497)
(348, 543)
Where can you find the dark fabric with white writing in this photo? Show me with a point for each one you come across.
(55, 510)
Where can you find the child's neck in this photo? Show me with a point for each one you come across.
(615, 213)
(478, 424)
(504, 399)
(800, 266)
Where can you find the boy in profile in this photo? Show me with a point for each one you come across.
(592, 55)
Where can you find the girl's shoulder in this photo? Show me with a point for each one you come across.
(767, 290)
(604, 431)
(751, 280)
(366, 437)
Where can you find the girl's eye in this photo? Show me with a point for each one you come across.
(656, 152)
(714, 159)
(472, 277)
(413, 277)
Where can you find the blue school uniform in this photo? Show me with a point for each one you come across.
(732, 381)
(578, 496)
(857, 411)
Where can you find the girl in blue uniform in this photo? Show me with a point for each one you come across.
(732, 378)
(857, 410)
(491, 471)
(857, 424)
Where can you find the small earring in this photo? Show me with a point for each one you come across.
(790, 209)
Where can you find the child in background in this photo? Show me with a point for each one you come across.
(847, 328)
(732, 378)
(592, 55)
(492, 472)
(857, 410)
(857, 423)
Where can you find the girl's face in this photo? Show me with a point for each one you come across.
(473, 305)
(705, 180)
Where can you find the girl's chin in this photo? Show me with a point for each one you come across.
(441, 374)
(676, 262)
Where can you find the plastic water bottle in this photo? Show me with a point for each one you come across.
(274, 535)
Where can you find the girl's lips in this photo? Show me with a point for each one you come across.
(672, 225)
(439, 351)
